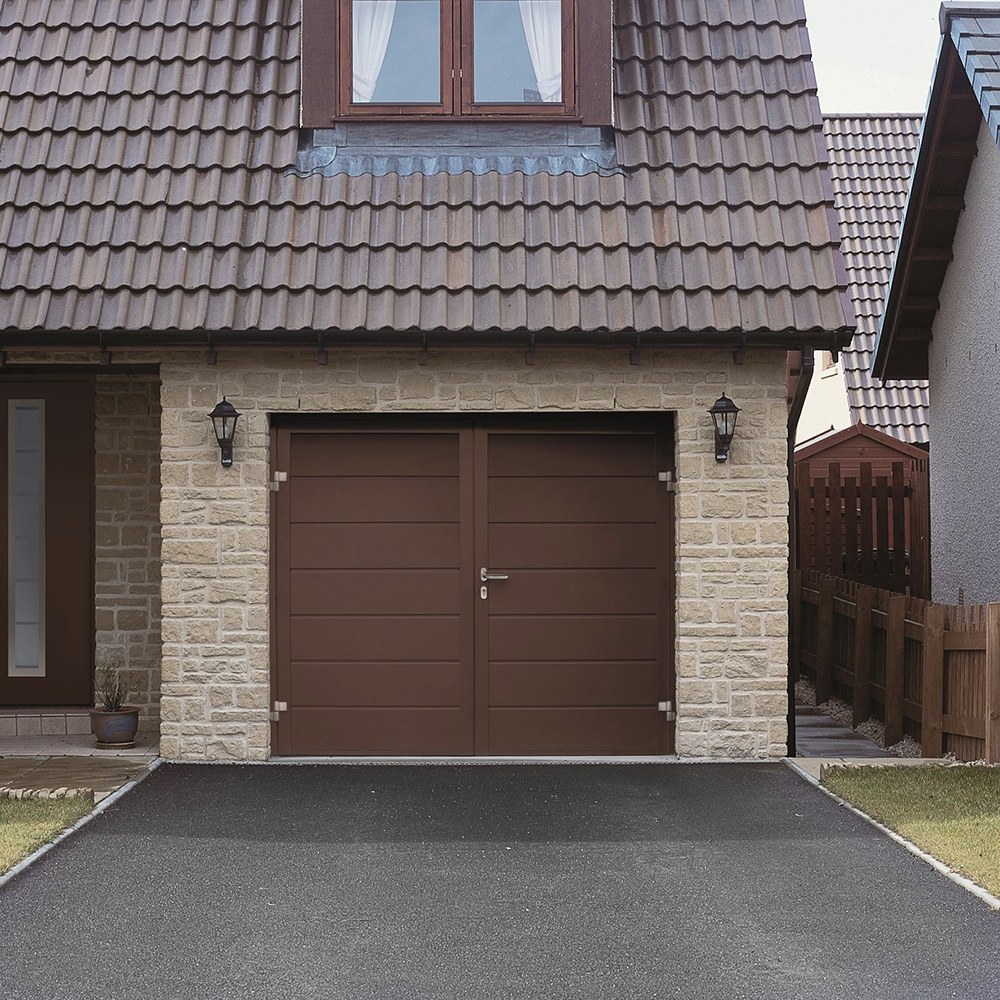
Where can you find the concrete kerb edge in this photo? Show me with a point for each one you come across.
(939, 866)
(104, 803)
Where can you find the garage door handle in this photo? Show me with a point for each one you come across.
(485, 574)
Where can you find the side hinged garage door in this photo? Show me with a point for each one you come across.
(493, 587)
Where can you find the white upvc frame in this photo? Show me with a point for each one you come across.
(13, 406)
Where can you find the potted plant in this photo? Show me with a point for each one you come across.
(111, 722)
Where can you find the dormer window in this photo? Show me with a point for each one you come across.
(506, 59)
(448, 57)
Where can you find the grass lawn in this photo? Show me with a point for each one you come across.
(28, 823)
(953, 813)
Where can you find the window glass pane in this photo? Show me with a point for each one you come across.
(518, 51)
(26, 542)
(397, 51)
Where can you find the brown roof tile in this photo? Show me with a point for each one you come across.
(148, 155)
(870, 159)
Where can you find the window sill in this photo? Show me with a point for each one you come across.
(363, 116)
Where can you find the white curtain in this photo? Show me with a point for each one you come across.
(542, 20)
(372, 24)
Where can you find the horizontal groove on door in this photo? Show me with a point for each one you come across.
(369, 499)
(630, 591)
(368, 684)
(434, 731)
(375, 638)
(375, 592)
(573, 730)
(374, 546)
(570, 546)
(382, 454)
(566, 638)
(568, 683)
(578, 498)
(572, 455)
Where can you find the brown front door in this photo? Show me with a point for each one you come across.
(47, 524)
(388, 640)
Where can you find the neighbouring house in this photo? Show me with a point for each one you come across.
(871, 159)
(472, 316)
(942, 312)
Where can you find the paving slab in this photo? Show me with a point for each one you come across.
(818, 735)
(590, 882)
(102, 775)
(147, 745)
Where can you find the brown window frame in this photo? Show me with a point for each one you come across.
(457, 73)
(321, 61)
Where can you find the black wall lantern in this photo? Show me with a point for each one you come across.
(724, 414)
(224, 418)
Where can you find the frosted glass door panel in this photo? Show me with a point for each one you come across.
(26, 538)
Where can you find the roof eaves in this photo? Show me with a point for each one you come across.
(921, 166)
(953, 42)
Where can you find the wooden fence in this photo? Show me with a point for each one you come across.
(871, 529)
(927, 670)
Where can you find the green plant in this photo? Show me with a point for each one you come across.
(112, 690)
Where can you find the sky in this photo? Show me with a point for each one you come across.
(873, 55)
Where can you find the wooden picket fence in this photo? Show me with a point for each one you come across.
(927, 670)
(868, 528)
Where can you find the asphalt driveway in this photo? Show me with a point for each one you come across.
(510, 882)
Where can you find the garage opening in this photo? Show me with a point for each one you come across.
(488, 587)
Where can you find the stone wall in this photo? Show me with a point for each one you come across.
(127, 571)
(732, 542)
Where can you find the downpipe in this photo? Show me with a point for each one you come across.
(806, 369)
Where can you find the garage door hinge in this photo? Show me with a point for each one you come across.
(668, 478)
(275, 484)
(279, 707)
(667, 707)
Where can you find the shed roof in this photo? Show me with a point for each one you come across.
(831, 440)
(871, 159)
(965, 91)
(152, 178)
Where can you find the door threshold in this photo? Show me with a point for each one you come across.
(472, 761)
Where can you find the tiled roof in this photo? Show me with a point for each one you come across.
(871, 158)
(148, 153)
(975, 33)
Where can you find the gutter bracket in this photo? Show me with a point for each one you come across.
(211, 354)
(529, 354)
(422, 355)
(635, 355)
(321, 355)
(740, 354)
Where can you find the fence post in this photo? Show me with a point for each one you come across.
(920, 551)
(894, 658)
(932, 698)
(824, 641)
(805, 542)
(836, 521)
(993, 684)
(863, 653)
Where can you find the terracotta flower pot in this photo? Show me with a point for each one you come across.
(114, 730)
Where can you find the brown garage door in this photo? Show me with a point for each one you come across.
(389, 642)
